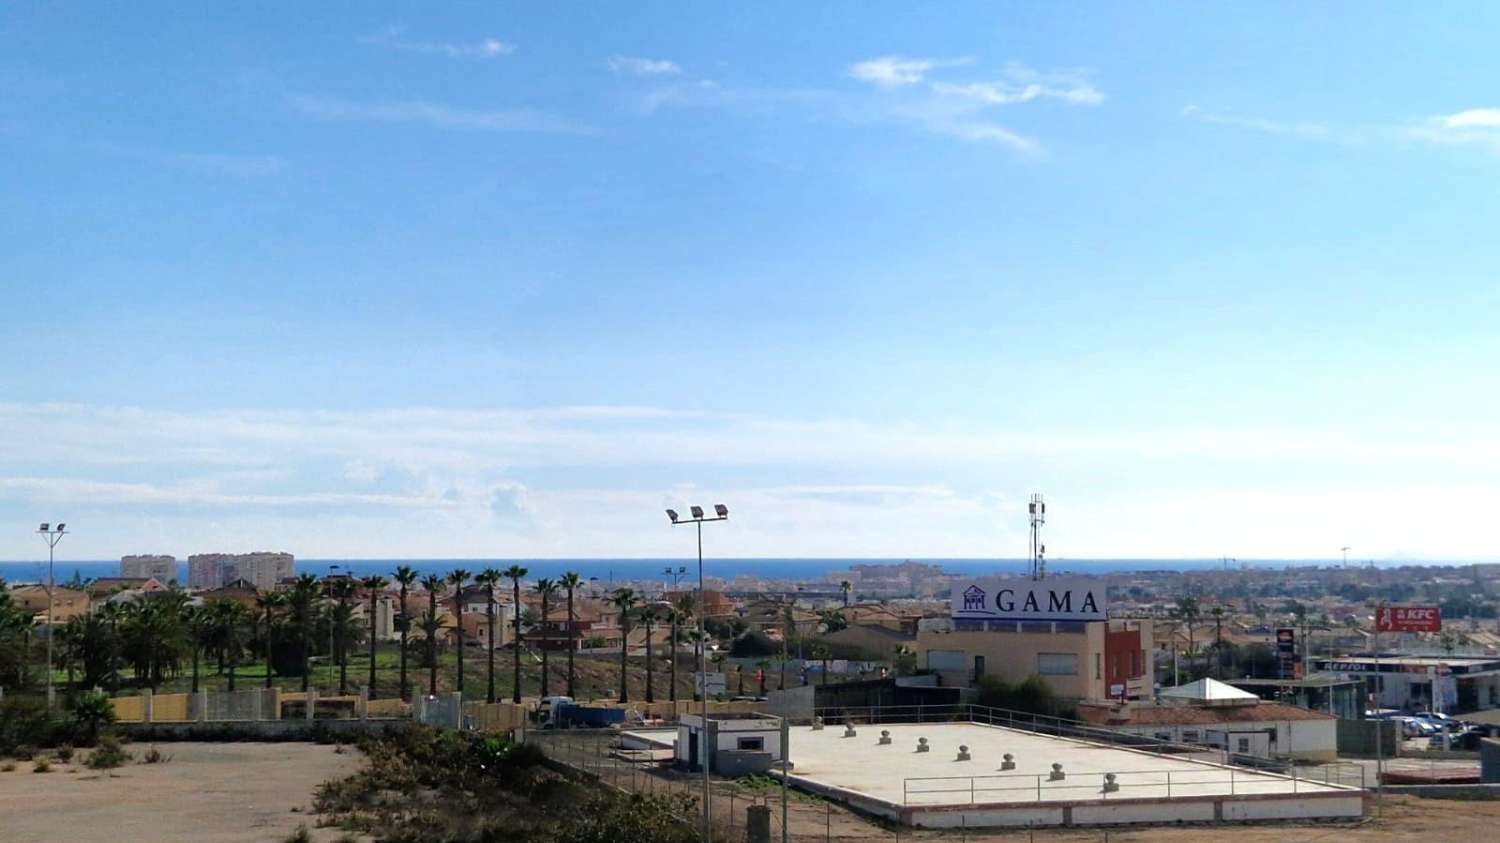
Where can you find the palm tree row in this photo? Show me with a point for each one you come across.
(161, 636)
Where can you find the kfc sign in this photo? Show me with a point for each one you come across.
(1408, 619)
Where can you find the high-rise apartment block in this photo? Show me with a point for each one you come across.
(159, 567)
(262, 570)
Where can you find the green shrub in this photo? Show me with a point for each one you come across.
(108, 754)
(92, 714)
(7, 767)
(23, 752)
(42, 765)
(65, 753)
(301, 835)
(155, 756)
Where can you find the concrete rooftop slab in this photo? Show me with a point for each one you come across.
(899, 775)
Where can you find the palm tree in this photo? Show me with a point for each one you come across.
(674, 618)
(228, 623)
(405, 576)
(625, 599)
(648, 617)
(432, 625)
(304, 593)
(1189, 613)
(514, 573)
(845, 586)
(1218, 614)
(571, 581)
(342, 615)
(374, 585)
(487, 578)
(457, 579)
(268, 607)
(200, 630)
(546, 588)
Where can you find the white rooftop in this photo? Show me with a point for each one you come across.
(897, 774)
(1210, 692)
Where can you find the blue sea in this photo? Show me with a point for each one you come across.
(607, 570)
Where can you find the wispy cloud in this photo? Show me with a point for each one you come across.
(436, 115)
(1020, 83)
(394, 38)
(637, 66)
(901, 90)
(210, 163)
(1305, 130)
(966, 109)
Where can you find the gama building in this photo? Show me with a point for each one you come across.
(1058, 629)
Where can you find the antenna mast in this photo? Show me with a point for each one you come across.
(1038, 511)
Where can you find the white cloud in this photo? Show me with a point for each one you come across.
(905, 92)
(1488, 118)
(894, 71)
(436, 115)
(1020, 83)
(591, 481)
(1472, 127)
(393, 38)
(642, 66)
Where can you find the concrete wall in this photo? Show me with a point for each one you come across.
(1489, 760)
(731, 763)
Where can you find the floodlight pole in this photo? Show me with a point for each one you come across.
(703, 757)
(51, 536)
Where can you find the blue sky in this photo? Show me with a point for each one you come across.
(505, 280)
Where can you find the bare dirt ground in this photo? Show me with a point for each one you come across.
(206, 793)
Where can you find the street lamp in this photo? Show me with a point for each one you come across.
(51, 535)
(675, 575)
(721, 513)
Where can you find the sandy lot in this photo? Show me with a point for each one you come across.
(207, 793)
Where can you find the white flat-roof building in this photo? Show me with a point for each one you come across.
(1421, 683)
(977, 775)
(737, 744)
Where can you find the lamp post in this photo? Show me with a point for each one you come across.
(675, 575)
(51, 535)
(721, 513)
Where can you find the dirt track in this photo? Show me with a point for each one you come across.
(207, 793)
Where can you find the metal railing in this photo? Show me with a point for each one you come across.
(1038, 787)
(1022, 720)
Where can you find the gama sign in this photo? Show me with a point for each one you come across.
(1030, 600)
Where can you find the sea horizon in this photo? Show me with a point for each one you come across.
(778, 568)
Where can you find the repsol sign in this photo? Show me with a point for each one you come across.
(1029, 600)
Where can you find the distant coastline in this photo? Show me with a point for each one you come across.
(648, 569)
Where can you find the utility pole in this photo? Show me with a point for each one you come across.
(51, 536)
(1038, 512)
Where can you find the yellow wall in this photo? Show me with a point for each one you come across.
(166, 707)
(129, 709)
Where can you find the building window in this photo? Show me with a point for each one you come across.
(751, 744)
(1097, 659)
(1057, 664)
(947, 660)
(1163, 736)
(1244, 745)
(1190, 735)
